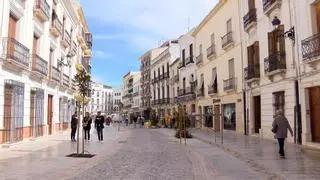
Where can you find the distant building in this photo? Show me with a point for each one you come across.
(101, 98)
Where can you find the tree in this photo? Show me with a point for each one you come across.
(83, 82)
(182, 123)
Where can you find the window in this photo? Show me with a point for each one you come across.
(162, 69)
(253, 54)
(214, 77)
(231, 68)
(276, 43)
(212, 38)
(229, 26)
(278, 101)
(191, 50)
(183, 56)
(251, 4)
(167, 67)
(200, 49)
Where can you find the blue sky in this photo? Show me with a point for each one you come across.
(124, 29)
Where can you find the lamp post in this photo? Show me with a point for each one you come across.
(291, 35)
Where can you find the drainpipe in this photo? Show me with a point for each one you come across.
(298, 122)
(242, 74)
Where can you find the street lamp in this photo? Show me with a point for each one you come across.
(290, 34)
(68, 63)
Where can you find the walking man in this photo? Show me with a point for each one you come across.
(87, 121)
(99, 125)
(74, 123)
(280, 128)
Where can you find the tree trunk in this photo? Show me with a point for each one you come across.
(78, 128)
(83, 114)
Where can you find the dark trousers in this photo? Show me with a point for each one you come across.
(281, 146)
(73, 133)
(87, 134)
(100, 134)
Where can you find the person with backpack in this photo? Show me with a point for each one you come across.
(99, 121)
(280, 127)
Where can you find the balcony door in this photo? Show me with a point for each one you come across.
(12, 34)
(317, 13)
(251, 4)
(314, 94)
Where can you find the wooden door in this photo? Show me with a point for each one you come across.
(32, 113)
(217, 116)
(8, 97)
(11, 34)
(50, 112)
(257, 113)
(314, 94)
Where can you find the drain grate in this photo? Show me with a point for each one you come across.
(75, 155)
(122, 142)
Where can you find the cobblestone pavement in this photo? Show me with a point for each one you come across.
(156, 155)
(262, 155)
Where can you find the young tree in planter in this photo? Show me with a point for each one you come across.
(83, 81)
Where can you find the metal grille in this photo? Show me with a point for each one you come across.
(63, 111)
(39, 113)
(13, 111)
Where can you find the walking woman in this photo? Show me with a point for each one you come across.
(280, 127)
(74, 123)
(99, 125)
(87, 121)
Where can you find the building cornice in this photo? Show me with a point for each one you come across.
(83, 19)
(71, 11)
(214, 11)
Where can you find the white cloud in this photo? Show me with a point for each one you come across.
(156, 19)
(102, 54)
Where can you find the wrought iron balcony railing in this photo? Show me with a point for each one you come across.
(275, 61)
(66, 39)
(199, 59)
(55, 74)
(39, 65)
(250, 17)
(74, 48)
(66, 80)
(42, 9)
(89, 40)
(73, 84)
(227, 39)
(267, 4)
(14, 51)
(181, 65)
(230, 84)
(213, 89)
(252, 72)
(166, 75)
(211, 51)
(189, 60)
(85, 63)
(311, 47)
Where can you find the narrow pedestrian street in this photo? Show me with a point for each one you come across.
(138, 154)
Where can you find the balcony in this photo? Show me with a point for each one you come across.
(227, 40)
(199, 59)
(73, 48)
(200, 92)
(66, 80)
(42, 10)
(189, 60)
(161, 76)
(166, 75)
(311, 47)
(13, 52)
(181, 65)
(88, 38)
(213, 89)
(252, 72)
(56, 27)
(275, 63)
(230, 84)
(39, 65)
(66, 39)
(73, 84)
(211, 51)
(85, 63)
(250, 19)
(81, 38)
(270, 5)
(55, 74)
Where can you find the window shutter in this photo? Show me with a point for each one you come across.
(251, 4)
(281, 39)
(256, 50)
(271, 43)
(249, 51)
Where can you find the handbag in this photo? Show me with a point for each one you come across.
(275, 129)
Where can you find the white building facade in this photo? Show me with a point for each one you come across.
(117, 100)
(42, 42)
(101, 98)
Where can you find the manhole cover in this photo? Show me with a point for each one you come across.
(75, 155)
(122, 142)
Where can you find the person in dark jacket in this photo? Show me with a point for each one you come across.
(99, 125)
(87, 121)
(280, 127)
(74, 123)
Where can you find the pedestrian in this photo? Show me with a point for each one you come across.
(87, 121)
(127, 121)
(142, 121)
(74, 123)
(134, 121)
(99, 125)
(280, 126)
